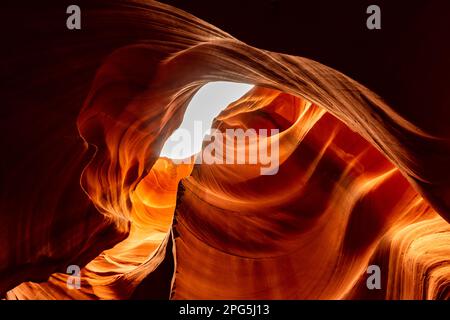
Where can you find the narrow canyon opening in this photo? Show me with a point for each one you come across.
(206, 104)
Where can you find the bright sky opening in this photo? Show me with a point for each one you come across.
(206, 104)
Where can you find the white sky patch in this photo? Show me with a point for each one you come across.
(206, 104)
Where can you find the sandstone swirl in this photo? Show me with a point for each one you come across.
(358, 183)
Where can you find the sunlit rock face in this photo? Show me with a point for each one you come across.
(357, 184)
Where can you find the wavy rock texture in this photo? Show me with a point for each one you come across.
(358, 183)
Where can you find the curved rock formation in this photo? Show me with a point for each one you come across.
(358, 183)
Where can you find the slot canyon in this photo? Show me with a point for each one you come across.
(84, 183)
